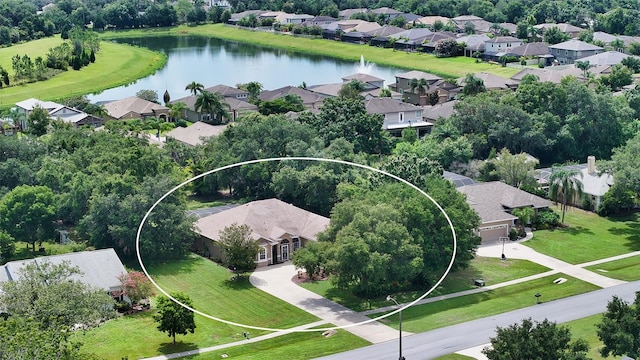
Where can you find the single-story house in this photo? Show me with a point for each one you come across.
(457, 179)
(310, 99)
(279, 228)
(473, 43)
(134, 107)
(370, 82)
(57, 111)
(438, 111)
(607, 58)
(568, 29)
(594, 185)
(494, 201)
(195, 134)
(431, 41)
(492, 82)
(100, 268)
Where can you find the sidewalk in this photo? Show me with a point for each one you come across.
(276, 280)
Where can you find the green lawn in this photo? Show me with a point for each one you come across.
(201, 202)
(295, 346)
(588, 237)
(465, 308)
(23, 249)
(453, 357)
(625, 269)
(492, 271)
(116, 64)
(211, 291)
(455, 67)
(585, 328)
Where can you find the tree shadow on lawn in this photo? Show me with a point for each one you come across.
(631, 232)
(169, 348)
(575, 230)
(238, 283)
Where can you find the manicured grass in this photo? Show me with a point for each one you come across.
(585, 328)
(627, 269)
(454, 67)
(295, 346)
(588, 237)
(116, 64)
(465, 308)
(24, 251)
(492, 271)
(212, 292)
(453, 357)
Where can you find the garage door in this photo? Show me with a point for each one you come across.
(493, 233)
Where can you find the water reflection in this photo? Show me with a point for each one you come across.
(213, 61)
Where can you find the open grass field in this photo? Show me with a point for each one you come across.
(452, 67)
(585, 328)
(211, 290)
(116, 64)
(465, 308)
(589, 237)
(453, 357)
(492, 271)
(295, 346)
(624, 269)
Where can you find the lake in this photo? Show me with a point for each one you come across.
(213, 61)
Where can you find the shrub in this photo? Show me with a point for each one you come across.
(513, 234)
(546, 219)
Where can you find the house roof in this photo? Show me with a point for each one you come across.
(503, 39)
(100, 268)
(268, 219)
(466, 18)
(376, 93)
(386, 11)
(607, 58)
(195, 134)
(366, 27)
(491, 200)
(473, 42)
(564, 27)
(416, 74)
(327, 89)
(346, 13)
(575, 45)
(226, 91)
(388, 105)
(234, 104)
(31, 103)
(117, 109)
(432, 39)
(530, 49)
(415, 34)
(366, 78)
(430, 20)
(592, 184)
(386, 30)
(542, 74)
(491, 81)
(308, 97)
(443, 110)
(604, 37)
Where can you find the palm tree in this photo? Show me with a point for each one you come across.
(194, 87)
(524, 215)
(584, 66)
(385, 92)
(177, 110)
(565, 185)
(421, 84)
(473, 85)
(617, 45)
(253, 88)
(213, 105)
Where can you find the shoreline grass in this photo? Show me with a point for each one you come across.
(457, 310)
(128, 62)
(445, 67)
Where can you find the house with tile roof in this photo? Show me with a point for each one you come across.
(134, 107)
(494, 202)
(569, 51)
(196, 134)
(279, 228)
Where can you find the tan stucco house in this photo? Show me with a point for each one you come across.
(279, 228)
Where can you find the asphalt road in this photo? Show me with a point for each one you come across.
(454, 338)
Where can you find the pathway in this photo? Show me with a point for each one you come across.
(276, 280)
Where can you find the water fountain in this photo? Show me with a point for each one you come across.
(364, 67)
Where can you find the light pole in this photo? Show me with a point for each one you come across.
(400, 357)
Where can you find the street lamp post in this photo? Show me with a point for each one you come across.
(400, 357)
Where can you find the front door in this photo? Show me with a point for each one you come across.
(285, 252)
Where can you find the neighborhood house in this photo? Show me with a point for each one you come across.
(278, 227)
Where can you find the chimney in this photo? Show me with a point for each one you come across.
(591, 164)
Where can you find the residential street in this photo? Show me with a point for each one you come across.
(450, 339)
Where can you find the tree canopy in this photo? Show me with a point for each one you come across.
(172, 318)
(620, 328)
(240, 249)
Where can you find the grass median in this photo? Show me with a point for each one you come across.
(492, 271)
(627, 269)
(589, 237)
(116, 65)
(446, 67)
(439, 314)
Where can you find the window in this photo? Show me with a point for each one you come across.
(401, 117)
(262, 254)
(418, 114)
(296, 244)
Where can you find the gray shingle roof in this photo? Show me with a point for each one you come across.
(415, 74)
(388, 105)
(606, 58)
(575, 45)
(195, 134)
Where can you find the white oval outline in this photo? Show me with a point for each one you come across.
(248, 162)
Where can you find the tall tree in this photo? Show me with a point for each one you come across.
(584, 66)
(535, 340)
(565, 185)
(254, 88)
(173, 318)
(38, 121)
(194, 87)
(27, 213)
(240, 249)
(473, 85)
(421, 84)
(516, 170)
(620, 328)
(213, 105)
